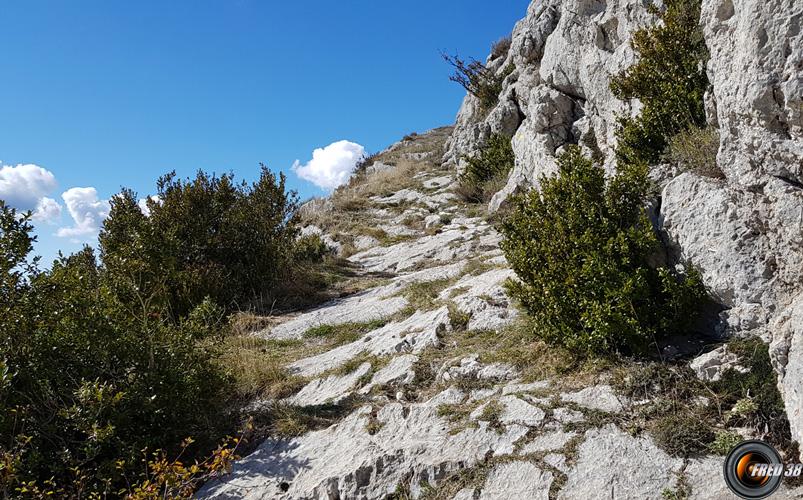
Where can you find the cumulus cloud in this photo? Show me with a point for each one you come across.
(24, 187)
(47, 210)
(331, 166)
(87, 211)
(143, 203)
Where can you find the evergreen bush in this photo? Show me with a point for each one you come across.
(581, 249)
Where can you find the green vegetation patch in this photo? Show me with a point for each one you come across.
(487, 171)
(669, 80)
(581, 249)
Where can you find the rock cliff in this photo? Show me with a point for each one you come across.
(744, 232)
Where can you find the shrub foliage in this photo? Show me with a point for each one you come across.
(581, 248)
(206, 237)
(100, 360)
(669, 79)
(493, 162)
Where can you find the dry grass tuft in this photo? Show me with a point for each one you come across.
(696, 150)
(258, 366)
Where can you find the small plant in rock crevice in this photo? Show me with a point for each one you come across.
(486, 172)
(669, 80)
(478, 80)
(695, 150)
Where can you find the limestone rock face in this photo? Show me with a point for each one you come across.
(505, 482)
(743, 232)
(558, 93)
(651, 471)
(755, 68)
(756, 53)
(712, 365)
(345, 461)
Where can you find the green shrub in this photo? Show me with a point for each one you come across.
(206, 237)
(478, 80)
(695, 150)
(753, 397)
(485, 169)
(580, 248)
(102, 360)
(669, 79)
(310, 248)
(89, 380)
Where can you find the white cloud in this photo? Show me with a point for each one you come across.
(24, 187)
(143, 203)
(86, 210)
(47, 210)
(331, 166)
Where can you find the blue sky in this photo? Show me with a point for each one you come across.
(101, 94)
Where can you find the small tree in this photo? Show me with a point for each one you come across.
(580, 248)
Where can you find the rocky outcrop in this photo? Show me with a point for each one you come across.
(424, 403)
(563, 53)
(743, 232)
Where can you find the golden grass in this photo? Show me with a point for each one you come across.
(258, 365)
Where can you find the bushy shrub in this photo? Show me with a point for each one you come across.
(682, 433)
(102, 360)
(206, 237)
(669, 79)
(695, 150)
(580, 248)
(478, 80)
(753, 397)
(88, 380)
(310, 248)
(487, 168)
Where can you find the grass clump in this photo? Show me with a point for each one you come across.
(501, 47)
(423, 295)
(285, 420)
(681, 433)
(257, 366)
(687, 416)
(695, 150)
(669, 80)
(581, 249)
(492, 413)
(486, 172)
(454, 413)
(458, 319)
(682, 490)
(753, 397)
